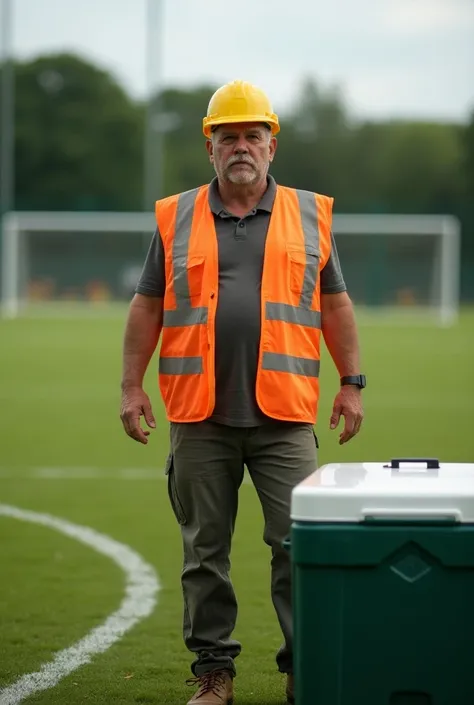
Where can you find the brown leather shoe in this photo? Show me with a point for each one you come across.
(215, 688)
(290, 689)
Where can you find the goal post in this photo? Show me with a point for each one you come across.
(407, 265)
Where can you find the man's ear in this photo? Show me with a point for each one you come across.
(273, 147)
(210, 150)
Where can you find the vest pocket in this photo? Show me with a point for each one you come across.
(189, 277)
(303, 267)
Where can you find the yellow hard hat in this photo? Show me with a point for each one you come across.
(239, 101)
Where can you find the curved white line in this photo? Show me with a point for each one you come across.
(140, 598)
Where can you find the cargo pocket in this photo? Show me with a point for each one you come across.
(315, 439)
(172, 491)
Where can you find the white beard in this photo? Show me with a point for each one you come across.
(242, 176)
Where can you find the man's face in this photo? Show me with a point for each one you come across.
(241, 153)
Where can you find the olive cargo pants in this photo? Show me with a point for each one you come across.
(205, 470)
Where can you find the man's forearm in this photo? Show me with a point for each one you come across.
(340, 334)
(142, 332)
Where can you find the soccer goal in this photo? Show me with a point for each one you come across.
(401, 268)
(78, 262)
(397, 267)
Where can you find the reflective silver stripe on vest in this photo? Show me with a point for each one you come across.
(293, 314)
(184, 222)
(309, 222)
(181, 365)
(184, 314)
(185, 317)
(289, 363)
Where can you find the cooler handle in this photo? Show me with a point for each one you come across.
(431, 463)
(433, 514)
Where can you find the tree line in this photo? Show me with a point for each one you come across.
(80, 144)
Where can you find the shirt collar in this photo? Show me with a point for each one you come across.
(265, 204)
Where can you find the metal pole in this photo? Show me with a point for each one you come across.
(7, 136)
(153, 143)
(9, 241)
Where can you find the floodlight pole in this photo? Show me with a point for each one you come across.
(153, 143)
(7, 136)
(9, 243)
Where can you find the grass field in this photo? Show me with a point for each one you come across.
(63, 452)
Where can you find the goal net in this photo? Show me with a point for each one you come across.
(397, 267)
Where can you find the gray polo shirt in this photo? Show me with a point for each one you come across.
(241, 245)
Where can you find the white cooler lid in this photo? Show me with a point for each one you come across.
(354, 492)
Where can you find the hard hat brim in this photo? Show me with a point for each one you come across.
(210, 122)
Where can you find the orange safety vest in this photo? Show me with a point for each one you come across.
(298, 246)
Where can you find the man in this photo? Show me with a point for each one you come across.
(241, 277)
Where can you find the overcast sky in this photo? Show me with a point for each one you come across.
(410, 58)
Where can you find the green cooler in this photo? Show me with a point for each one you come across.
(383, 584)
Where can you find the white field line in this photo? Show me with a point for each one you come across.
(87, 473)
(138, 603)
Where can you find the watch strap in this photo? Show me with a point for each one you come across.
(356, 380)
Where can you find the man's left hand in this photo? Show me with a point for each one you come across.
(348, 403)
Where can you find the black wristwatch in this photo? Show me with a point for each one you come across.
(357, 380)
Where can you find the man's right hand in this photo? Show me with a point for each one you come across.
(135, 404)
